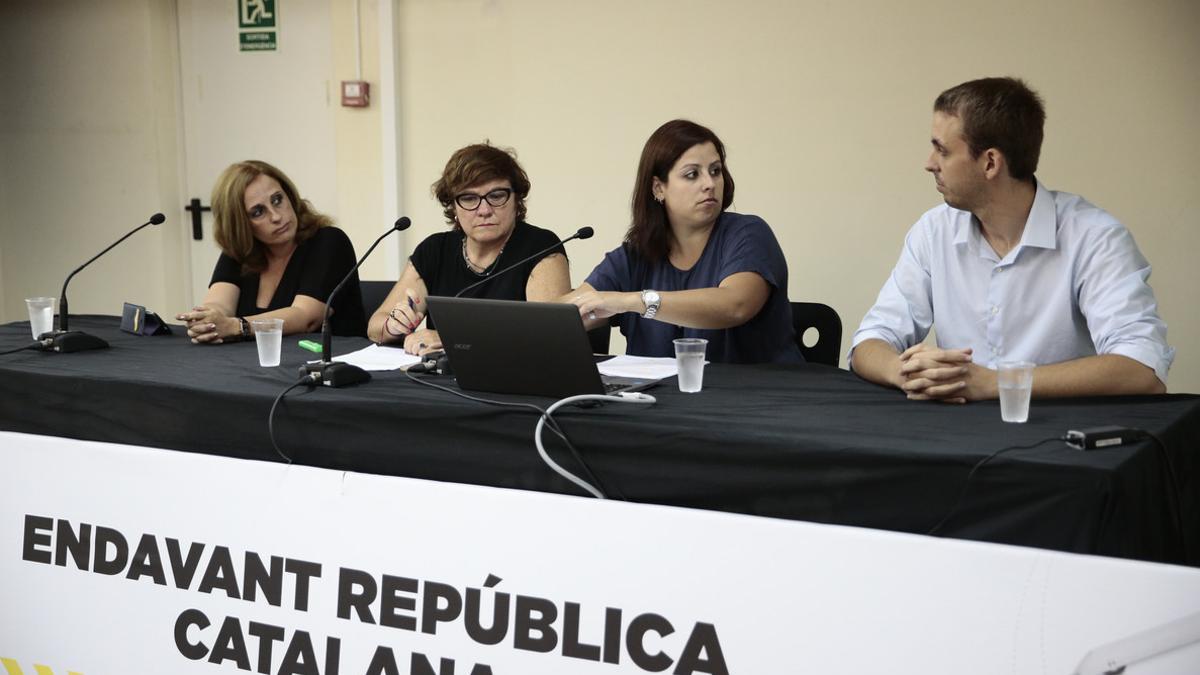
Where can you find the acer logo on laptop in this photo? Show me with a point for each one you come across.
(462, 346)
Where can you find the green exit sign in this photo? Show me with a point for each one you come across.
(256, 13)
(257, 22)
(257, 41)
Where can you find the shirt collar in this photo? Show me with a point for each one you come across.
(1041, 227)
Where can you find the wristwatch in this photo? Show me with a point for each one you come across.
(651, 299)
(245, 328)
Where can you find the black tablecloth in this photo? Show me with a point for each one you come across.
(804, 442)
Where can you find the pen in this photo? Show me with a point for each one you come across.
(413, 306)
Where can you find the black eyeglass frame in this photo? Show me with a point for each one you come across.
(496, 198)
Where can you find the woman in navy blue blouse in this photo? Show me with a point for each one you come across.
(689, 267)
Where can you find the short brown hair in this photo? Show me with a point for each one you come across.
(1002, 113)
(477, 164)
(231, 223)
(649, 232)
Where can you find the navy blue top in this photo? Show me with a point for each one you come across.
(738, 243)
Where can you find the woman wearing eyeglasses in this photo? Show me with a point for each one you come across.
(482, 191)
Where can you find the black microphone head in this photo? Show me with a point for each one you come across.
(157, 219)
(402, 223)
(585, 233)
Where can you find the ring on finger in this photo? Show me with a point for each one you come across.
(592, 316)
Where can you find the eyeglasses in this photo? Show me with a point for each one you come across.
(471, 201)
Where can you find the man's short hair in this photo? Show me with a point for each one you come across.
(1001, 113)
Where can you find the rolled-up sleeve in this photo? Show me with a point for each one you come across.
(1116, 300)
(903, 312)
(613, 273)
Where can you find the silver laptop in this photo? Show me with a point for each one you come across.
(511, 347)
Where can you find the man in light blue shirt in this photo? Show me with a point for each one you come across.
(1010, 271)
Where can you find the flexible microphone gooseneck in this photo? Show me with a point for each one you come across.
(65, 341)
(343, 374)
(583, 233)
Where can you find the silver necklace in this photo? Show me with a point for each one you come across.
(476, 269)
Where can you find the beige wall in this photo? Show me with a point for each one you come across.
(825, 111)
(358, 132)
(824, 108)
(89, 150)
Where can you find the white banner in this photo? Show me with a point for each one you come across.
(118, 559)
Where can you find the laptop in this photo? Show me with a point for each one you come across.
(512, 347)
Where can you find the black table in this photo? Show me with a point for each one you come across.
(805, 442)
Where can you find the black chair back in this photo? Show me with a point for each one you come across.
(828, 325)
(599, 338)
(373, 294)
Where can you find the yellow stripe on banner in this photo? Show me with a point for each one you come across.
(11, 667)
(43, 670)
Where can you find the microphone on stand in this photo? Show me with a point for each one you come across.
(66, 341)
(336, 374)
(583, 233)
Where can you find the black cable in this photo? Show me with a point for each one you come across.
(550, 422)
(307, 380)
(35, 345)
(1175, 491)
(963, 493)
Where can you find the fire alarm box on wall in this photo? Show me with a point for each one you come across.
(356, 94)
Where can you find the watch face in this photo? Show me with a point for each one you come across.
(651, 300)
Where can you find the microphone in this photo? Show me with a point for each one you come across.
(333, 374)
(583, 233)
(66, 341)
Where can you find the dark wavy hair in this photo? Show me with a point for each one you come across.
(1002, 113)
(649, 232)
(477, 164)
(231, 224)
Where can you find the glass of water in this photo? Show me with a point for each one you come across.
(41, 315)
(1015, 380)
(268, 333)
(689, 357)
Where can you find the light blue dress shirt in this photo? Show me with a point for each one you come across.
(1075, 286)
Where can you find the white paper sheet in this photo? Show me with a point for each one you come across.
(375, 357)
(654, 368)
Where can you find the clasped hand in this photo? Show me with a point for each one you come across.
(947, 375)
(204, 324)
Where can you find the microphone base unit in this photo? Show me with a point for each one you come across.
(335, 374)
(66, 342)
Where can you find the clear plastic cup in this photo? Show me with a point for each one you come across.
(1015, 381)
(41, 315)
(689, 357)
(268, 333)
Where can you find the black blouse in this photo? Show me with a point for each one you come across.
(318, 265)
